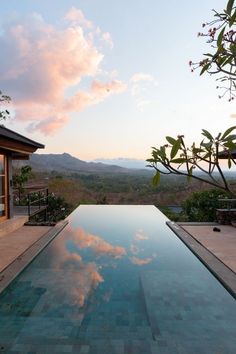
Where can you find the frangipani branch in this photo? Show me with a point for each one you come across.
(177, 159)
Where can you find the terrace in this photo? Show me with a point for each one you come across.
(76, 297)
(108, 278)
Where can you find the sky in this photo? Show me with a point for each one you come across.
(108, 79)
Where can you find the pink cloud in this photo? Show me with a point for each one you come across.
(142, 77)
(41, 63)
(140, 236)
(82, 279)
(100, 247)
(108, 39)
(76, 16)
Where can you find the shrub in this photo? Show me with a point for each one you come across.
(201, 206)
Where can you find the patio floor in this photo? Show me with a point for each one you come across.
(13, 244)
(222, 244)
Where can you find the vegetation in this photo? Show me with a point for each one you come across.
(221, 61)
(20, 178)
(199, 162)
(4, 113)
(201, 206)
(58, 209)
(67, 191)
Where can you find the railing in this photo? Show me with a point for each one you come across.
(39, 204)
(33, 202)
(227, 214)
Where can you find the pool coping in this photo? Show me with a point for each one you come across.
(9, 273)
(222, 272)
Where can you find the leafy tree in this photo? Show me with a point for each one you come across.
(199, 162)
(221, 61)
(58, 208)
(20, 178)
(3, 100)
(201, 206)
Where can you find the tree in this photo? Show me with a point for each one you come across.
(221, 61)
(58, 208)
(20, 178)
(201, 206)
(4, 113)
(199, 162)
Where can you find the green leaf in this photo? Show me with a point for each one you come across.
(151, 160)
(228, 60)
(230, 145)
(197, 150)
(205, 67)
(171, 140)
(232, 20)
(227, 132)
(156, 178)
(207, 146)
(231, 137)
(229, 7)
(208, 55)
(232, 48)
(175, 149)
(162, 152)
(207, 134)
(220, 37)
(178, 160)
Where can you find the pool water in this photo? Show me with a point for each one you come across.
(117, 280)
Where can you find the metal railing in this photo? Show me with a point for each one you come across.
(32, 202)
(37, 201)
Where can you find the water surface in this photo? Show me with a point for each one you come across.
(117, 280)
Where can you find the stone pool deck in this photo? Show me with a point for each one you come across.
(222, 244)
(18, 249)
(215, 249)
(13, 244)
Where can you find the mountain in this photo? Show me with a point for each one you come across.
(67, 163)
(124, 162)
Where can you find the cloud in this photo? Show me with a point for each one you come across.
(81, 280)
(143, 87)
(142, 77)
(76, 16)
(140, 236)
(108, 39)
(140, 261)
(100, 247)
(42, 64)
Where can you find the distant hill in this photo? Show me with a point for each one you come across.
(124, 162)
(67, 163)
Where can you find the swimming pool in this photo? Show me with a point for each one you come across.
(117, 280)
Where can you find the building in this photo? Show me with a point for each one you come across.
(13, 146)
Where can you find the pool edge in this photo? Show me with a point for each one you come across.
(222, 272)
(21, 262)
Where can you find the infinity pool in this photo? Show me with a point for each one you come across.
(117, 280)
